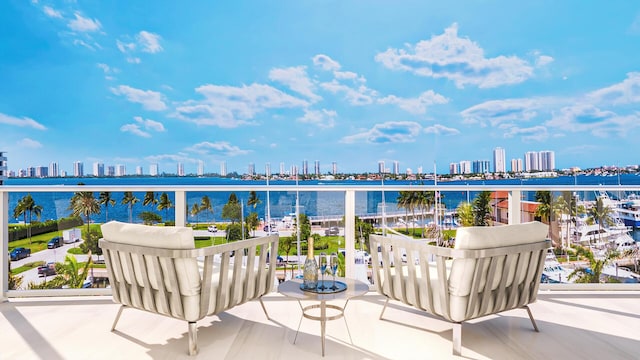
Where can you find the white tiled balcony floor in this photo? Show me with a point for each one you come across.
(573, 325)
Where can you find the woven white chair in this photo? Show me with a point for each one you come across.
(489, 270)
(157, 269)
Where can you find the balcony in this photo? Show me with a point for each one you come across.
(575, 320)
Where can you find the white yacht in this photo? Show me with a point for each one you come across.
(554, 272)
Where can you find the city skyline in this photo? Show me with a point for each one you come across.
(214, 86)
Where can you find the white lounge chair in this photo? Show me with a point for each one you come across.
(452, 283)
(158, 269)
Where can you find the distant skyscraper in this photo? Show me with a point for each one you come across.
(111, 170)
(31, 171)
(294, 170)
(396, 168)
(499, 160)
(78, 169)
(153, 169)
(200, 167)
(381, 168)
(180, 169)
(3, 167)
(316, 167)
(465, 167)
(42, 171)
(305, 168)
(121, 170)
(531, 161)
(419, 170)
(282, 169)
(334, 168)
(252, 169)
(481, 166)
(223, 168)
(139, 170)
(267, 169)
(516, 165)
(54, 171)
(547, 160)
(98, 169)
(454, 168)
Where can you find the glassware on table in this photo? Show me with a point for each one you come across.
(333, 263)
(323, 269)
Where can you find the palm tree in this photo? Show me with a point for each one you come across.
(105, 199)
(165, 204)
(71, 272)
(149, 199)
(404, 202)
(84, 204)
(593, 273)
(129, 199)
(27, 207)
(205, 204)
(545, 209)
(254, 200)
(482, 209)
(562, 207)
(195, 210)
(601, 214)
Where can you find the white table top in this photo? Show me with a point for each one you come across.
(291, 288)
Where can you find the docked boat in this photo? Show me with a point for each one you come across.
(629, 210)
(554, 272)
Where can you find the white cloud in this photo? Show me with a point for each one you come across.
(361, 95)
(125, 47)
(51, 12)
(544, 60)
(230, 106)
(584, 117)
(345, 75)
(384, 133)
(439, 129)
(21, 122)
(149, 124)
(415, 105)
(82, 43)
(83, 24)
(173, 158)
(458, 59)
(326, 63)
(133, 60)
(321, 118)
(150, 100)
(535, 133)
(296, 79)
(625, 92)
(495, 112)
(219, 148)
(29, 143)
(149, 42)
(134, 129)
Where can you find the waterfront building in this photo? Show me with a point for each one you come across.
(267, 169)
(3, 167)
(42, 171)
(531, 161)
(282, 169)
(78, 169)
(396, 168)
(516, 165)
(31, 171)
(465, 167)
(223, 168)
(54, 170)
(111, 170)
(499, 162)
(547, 160)
(419, 170)
(381, 167)
(98, 169)
(305, 168)
(121, 170)
(334, 168)
(454, 168)
(180, 169)
(481, 166)
(153, 169)
(293, 171)
(316, 167)
(252, 169)
(139, 170)
(200, 167)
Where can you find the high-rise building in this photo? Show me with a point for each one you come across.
(42, 171)
(153, 169)
(53, 169)
(121, 170)
(334, 168)
(111, 170)
(223, 168)
(3, 167)
(547, 160)
(180, 169)
(282, 169)
(305, 168)
(396, 167)
(465, 167)
(316, 167)
(419, 170)
(516, 165)
(78, 169)
(481, 166)
(454, 168)
(98, 169)
(200, 167)
(139, 170)
(381, 168)
(252, 169)
(499, 160)
(267, 170)
(294, 171)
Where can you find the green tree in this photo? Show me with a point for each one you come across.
(482, 209)
(71, 271)
(84, 204)
(594, 271)
(234, 232)
(404, 202)
(232, 209)
(149, 217)
(252, 221)
(254, 200)
(465, 214)
(165, 204)
(15, 281)
(305, 228)
(105, 199)
(205, 205)
(195, 210)
(601, 214)
(90, 244)
(149, 199)
(285, 245)
(27, 207)
(545, 208)
(129, 199)
(363, 230)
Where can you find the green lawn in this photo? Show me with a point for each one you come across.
(27, 266)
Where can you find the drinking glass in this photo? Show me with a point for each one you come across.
(334, 268)
(323, 269)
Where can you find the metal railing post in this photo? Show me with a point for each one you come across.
(515, 207)
(181, 208)
(350, 232)
(4, 245)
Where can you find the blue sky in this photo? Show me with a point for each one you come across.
(354, 82)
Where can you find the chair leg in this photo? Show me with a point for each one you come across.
(193, 338)
(457, 339)
(384, 308)
(533, 322)
(113, 327)
(264, 309)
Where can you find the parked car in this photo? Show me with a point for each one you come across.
(212, 228)
(55, 242)
(48, 269)
(19, 253)
(273, 229)
(332, 231)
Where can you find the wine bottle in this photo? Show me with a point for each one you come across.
(310, 273)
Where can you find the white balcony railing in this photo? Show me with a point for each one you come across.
(352, 199)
